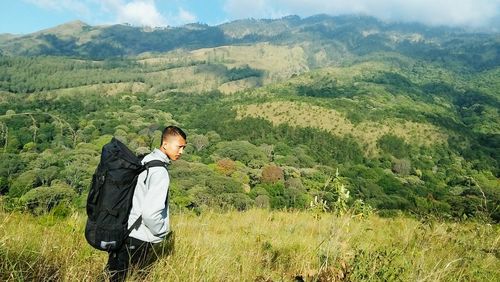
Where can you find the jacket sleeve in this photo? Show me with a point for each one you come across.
(153, 213)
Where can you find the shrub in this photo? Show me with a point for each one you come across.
(262, 201)
(240, 201)
(393, 145)
(218, 185)
(360, 208)
(199, 141)
(226, 166)
(102, 140)
(272, 174)
(240, 177)
(318, 206)
(23, 183)
(401, 167)
(4, 185)
(242, 151)
(295, 183)
(43, 199)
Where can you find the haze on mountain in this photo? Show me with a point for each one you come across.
(343, 34)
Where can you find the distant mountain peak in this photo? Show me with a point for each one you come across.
(72, 28)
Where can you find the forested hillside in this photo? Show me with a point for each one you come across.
(279, 113)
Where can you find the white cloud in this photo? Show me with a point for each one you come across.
(475, 13)
(185, 16)
(472, 13)
(78, 7)
(142, 13)
(136, 12)
(243, 9)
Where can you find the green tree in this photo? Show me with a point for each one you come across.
(43, 199)
(393, 145)
(242, 151)
(23, 183)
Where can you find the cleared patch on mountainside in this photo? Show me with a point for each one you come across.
(206, 69)
(367, 132)
(277, 61)
(184, 79)
(239, 85)
(105, 88)
(345, 76)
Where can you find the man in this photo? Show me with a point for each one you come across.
(151, 202)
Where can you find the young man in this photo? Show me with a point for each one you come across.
(151, 202)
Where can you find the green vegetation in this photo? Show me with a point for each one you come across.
(58, 138)
(428, 147)
(319, 117)
(259, 245)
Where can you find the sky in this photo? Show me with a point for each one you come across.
(27, 16)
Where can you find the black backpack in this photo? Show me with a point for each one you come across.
(110, 197)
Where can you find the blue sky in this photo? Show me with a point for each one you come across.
(26, 16)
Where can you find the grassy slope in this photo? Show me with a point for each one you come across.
(188, 71)
(279, 62)
(258, 245)
(367, 108)
(367, 132)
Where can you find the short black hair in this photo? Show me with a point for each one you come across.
(172, 131)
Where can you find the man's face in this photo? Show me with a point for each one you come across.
(173, 147)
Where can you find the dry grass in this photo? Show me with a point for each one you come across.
(279, 62)
(187, 79)
(239, 85)
(104, 88)
(345, 75)
(306, 115)
(260, 245)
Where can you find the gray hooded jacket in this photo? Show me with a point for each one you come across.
(149, 201)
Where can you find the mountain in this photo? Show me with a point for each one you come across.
(344, 35)
(71, 29)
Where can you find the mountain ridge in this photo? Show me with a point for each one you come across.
(355, 34)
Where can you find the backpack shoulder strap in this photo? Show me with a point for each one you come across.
(135, 225)
(153, 163)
